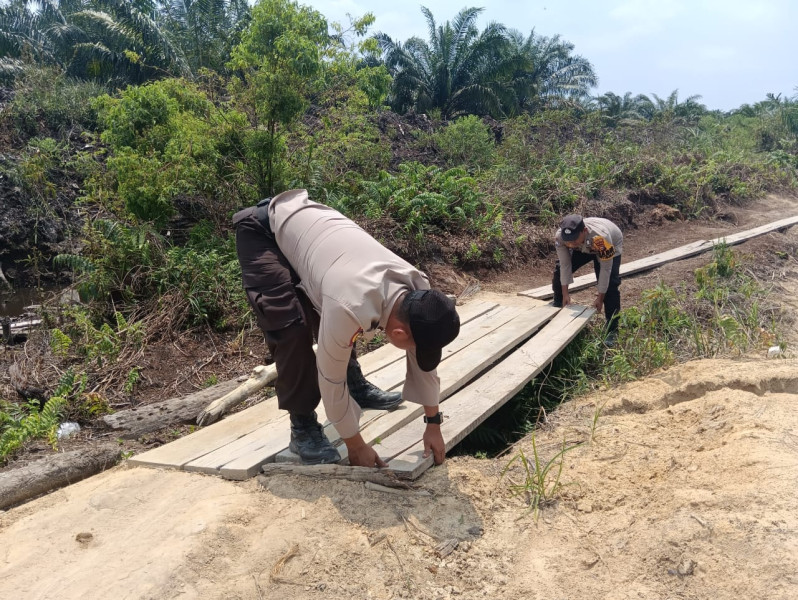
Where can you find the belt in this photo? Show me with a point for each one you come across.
(262, 214)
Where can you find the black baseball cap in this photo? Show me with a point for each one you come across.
(434, 322)
(570, 227)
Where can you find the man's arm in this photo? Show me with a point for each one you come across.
(566, 269)
(338, 332)
(424, 387)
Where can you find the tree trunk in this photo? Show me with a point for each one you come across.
(133, 422)
(54, 471)
(260, 378)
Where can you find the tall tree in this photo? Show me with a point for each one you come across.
(616, 110)
(551, 73)
(114, 41)
(206, 30)
(278, 60)
(671, 109)
(459, 71)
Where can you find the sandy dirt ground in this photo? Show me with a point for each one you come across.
(685, 485)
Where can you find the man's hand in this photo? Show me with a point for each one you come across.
(566, 298)
(433, 443)
(361, 454)
(598, 302)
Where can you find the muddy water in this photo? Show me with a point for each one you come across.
(13, 302)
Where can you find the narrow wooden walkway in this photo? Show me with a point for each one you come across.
(499, 350)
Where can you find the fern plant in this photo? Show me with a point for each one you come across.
(20, 424)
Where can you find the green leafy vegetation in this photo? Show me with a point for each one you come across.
(21, 423)
(724, 312)
(541, 483)
(150, 125)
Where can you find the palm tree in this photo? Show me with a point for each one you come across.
(206, 30)
(113, 41)
(670, 109)
(616, 110)
(555, 74)
(459, 71)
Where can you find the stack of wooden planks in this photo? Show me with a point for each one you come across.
(491, 360)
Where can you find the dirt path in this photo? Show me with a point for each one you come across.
(688, 489)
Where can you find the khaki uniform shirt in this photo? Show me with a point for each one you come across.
(603, 239)
(353, 282)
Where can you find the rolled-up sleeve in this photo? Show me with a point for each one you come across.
(337, 333)
(564, 256)
(421, 387)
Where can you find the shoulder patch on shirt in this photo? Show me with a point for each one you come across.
(358, 333)
(603, 248)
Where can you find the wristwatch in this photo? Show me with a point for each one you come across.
(435, 420)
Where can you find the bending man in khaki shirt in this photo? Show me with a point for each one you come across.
(309, 270)
(579, 241)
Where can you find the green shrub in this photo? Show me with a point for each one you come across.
(197, 283)
(46, 103)
(424, 200)
(99, 343)
(173, 151)
(22, 423)
(467, 142)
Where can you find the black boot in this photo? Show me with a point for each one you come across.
(368, 395)
(309, 442)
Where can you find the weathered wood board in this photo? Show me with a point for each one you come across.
(474, 350)
(470, 406)
(181, 452)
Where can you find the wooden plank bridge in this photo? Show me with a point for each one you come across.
(500, 349)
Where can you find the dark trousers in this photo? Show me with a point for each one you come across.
(283, 312)
(612, 299)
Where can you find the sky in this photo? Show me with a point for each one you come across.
(730, 52)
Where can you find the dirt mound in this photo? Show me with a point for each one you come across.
(687, 489)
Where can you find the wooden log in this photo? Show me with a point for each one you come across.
(260, 378)
(379, 476)
(53, 472)
(133, 422)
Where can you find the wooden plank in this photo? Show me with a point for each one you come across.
(177, 454)
(243, 458)
(643, 264)
(469, 407)
(468, 363)
(396, 372)
(736, 238)
(391, 377)
(682, 252)
(233, 427)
